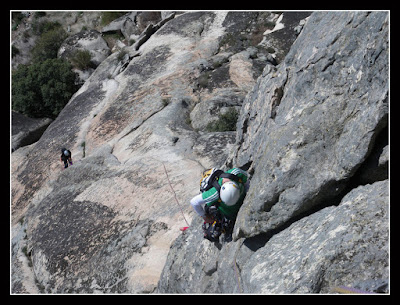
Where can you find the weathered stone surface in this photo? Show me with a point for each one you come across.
(337, 246)
(323, 109)
(126, 25)
(279, 38)
(311, 130)
(86, 40)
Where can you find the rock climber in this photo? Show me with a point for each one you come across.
(222, 194)
(66, 156)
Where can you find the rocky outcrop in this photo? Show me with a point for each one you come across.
(132, 24)
(106, 223)
(332, 247)
(126, 25)
(324, 108)
(310, 131)
(90, 41)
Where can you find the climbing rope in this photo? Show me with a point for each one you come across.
(176, 199)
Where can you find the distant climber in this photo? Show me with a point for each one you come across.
(66, 157)
(222, 194)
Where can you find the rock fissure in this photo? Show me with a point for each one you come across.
(319, 152)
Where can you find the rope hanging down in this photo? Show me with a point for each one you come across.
(169, 182)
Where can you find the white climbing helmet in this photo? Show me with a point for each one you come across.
(230, 193)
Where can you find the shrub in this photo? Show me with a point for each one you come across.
(81, 59)
(17, 18)
(203, 80)
(39, 27)
(42, 89)
(48, 44)
(225, 122)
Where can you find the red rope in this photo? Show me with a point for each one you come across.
(169, 182)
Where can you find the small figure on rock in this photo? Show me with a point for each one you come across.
(222, 195)
(66, 157)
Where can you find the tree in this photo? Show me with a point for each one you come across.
(42, 89)
(47, 45)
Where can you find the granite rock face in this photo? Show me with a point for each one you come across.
(313, 132)
(323, 108)
(334, 246)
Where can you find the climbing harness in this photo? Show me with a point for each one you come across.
(221, 224)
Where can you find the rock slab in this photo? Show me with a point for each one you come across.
(308, 132)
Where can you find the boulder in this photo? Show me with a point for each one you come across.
(90, 40)
(126, 25)
(86, 40)
(336, 246)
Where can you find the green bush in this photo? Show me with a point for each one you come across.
(17, 18)
(225, 122)
(81, 59)
(42, 89)
(48, 44)
(42, 26)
